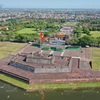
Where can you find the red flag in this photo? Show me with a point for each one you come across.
(42, 36)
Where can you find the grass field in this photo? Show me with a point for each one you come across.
(94, 34)
(27, 31)
(95, 56)
(7, 48)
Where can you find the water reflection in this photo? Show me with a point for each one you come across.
(8, 87)
(42, 94)
(8, 92)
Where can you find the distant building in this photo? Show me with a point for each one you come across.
(5, 27)
(63, 36)
(66, 30)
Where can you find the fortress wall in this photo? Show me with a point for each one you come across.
(21, 66)
(84, 65)
(70, 80)
(13, 75)
(52, 70)
(70, 64)
(38, 60)
(40, 70)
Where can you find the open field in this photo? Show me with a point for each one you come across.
(7, 48)
(95, 56)
(27, 31)
(95, 34)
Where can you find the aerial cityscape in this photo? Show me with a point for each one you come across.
(49, 46)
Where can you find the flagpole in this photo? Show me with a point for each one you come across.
(40, 39)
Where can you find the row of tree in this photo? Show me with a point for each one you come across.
(19, 38)
(48, 26)
(90, 20)
(81, 30)
(85, 40)
(93, 24)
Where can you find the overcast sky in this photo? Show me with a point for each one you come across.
(51, 3)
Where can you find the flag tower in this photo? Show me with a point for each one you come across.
(41, 38)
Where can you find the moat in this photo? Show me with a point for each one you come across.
(8, 92)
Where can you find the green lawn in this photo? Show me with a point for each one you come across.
(95, 34)
(7, 48)
(83, 34)
(95, 56)
(27, 31)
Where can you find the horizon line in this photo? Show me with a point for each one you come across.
(43, 8)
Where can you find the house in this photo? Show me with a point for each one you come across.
(5, 27)
(66, 29)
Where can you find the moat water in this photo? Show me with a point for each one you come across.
(8, 92)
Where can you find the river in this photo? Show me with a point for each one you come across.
(8, 92)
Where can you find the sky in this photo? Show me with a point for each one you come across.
(50, 3)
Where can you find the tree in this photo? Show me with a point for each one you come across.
(98, 41)
(2, 38)
(94, 41)
(85, 40)
(72, 41)
(78, 32)
(86, 30)
(21, 38)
